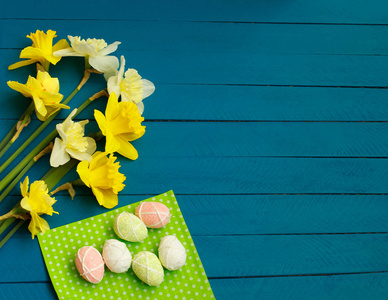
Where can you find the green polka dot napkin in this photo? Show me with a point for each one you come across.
(60, 245)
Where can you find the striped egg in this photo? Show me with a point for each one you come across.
(90, 264)
(153, 214)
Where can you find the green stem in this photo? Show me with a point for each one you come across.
(6, 224)
(8, 141)
(7, 237)
(35, 134)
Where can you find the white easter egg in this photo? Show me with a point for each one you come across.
(172, 254)
(116, 256)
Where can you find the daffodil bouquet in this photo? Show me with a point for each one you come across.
(67, 144)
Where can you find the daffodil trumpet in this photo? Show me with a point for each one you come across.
(26, 162)
(41, 51)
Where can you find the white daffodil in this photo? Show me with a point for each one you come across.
(130, 86)
(73, 143)
(95, 52)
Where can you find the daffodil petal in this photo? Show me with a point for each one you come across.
(22, 64)
(85, 48)
(148, 88)
(112, 144)
(114, 85)
(83, 172)
(22, 88)
(98, 159)
(101, 121)
(78, 155)
(39, 106)
(106, 198)
(24, 203)
(92, 146)
(67, 52)
(61, 44)
(31, 52)
(109, 49)
(37, 224)
(126, 149)
(112, 107)
(140, 107)
(104, 63)
(59, 155)
(24, 187)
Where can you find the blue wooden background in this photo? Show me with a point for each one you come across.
(269, 122)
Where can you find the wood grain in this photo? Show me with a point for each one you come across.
(320, 11)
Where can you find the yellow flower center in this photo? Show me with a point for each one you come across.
(39, 200)
(43, 41)
(75, 137)
(128, 120)
(97, 43)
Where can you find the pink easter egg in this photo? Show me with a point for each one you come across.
(153, 214)
(90, 264)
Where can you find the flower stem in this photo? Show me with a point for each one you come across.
(16, 129)
(6, 224)
(7, 237)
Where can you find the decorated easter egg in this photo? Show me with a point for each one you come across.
(129, 227)
(116, 256)
(147, 267)
(172, 253)
(153, 214)
(90, 264)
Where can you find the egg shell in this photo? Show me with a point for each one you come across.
(153, 214)
(90, 264)
(147, 267)
(129, 227)
(116, 256)
(172, 253)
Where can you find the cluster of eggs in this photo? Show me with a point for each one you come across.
(116, 256)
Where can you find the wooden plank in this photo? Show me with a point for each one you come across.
(246, 175)
(260, 256)
(254, 214)
(220, 102)
(249, 68)
(354, 287)
(190, 37)
(219, 139)
(329, 11)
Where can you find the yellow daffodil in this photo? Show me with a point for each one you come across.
(44, 90)
(95, 52)
(37, 202)
(73, 143)
(121, 124)
(103, 177)
(130, 86)
(41, 50)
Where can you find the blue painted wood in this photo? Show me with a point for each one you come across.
(346, 287)
(218, 139)
(349, 287)
(271, 255)
(254, 214)
(190, 37)
(206, 66)
(320, 11)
